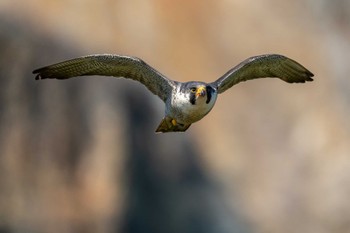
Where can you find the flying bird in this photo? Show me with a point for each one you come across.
(185, 102)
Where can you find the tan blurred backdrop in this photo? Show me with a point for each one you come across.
(81, 155)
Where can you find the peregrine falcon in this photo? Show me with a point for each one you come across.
(185, 102)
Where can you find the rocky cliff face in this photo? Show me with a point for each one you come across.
(81, 155)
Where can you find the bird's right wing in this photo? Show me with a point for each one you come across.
(110, 65)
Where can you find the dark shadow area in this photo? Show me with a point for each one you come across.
(48, 128)
(163, 194)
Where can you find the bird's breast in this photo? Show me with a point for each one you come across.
(185, 112)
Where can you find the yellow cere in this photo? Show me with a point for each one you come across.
(199, 90)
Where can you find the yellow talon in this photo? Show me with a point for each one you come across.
(173, 121)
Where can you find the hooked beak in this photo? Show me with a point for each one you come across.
(200, 91)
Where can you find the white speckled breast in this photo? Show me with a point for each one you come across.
(184, 112)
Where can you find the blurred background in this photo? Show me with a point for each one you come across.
(81, 155)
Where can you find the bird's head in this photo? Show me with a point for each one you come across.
(198, 91)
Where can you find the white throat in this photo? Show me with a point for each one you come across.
(184, 111)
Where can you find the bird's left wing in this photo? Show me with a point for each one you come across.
(263, 66)
(110, 65)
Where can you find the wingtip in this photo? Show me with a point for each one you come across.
(307, 79)
(37, 77)
(37, 74)
(36, 71)
(309, 76)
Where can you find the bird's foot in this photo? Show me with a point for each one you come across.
(171, 125)
(173, 121)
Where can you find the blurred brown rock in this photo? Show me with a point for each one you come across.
(81, 155)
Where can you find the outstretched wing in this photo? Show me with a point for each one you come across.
(110, 65)
(270, 65)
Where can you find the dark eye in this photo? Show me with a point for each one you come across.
(193, 89)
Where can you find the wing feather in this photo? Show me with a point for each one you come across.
(263, 66)
(110, 65)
